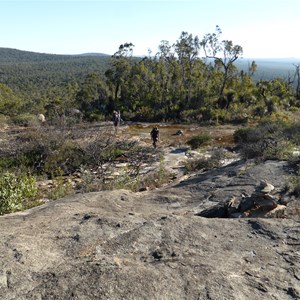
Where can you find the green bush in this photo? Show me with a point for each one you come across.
(198, 141)
(16, 192)
(292, 133)
(94, 117)
(191, 115)
(25, 119)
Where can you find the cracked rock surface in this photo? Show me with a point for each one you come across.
(154, 245)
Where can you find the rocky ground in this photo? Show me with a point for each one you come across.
(228, 233)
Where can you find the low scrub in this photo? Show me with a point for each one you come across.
(58, 153)
(61, 188)
(17, 192)
(265, 141)
(199, 140)
(293, 185)
(205, 164)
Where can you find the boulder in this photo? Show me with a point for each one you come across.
(278, 212)
(266, 187)
(179, 132)
(233, 205)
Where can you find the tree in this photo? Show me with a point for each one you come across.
(187, 50)
(297, 80)
(118, 74)
(224, 53)
(252, 68)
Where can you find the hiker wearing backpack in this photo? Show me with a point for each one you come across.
(154, 136)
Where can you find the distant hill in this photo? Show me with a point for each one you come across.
(94, 54)
(269, 68)
(15, 55)
(31, 71)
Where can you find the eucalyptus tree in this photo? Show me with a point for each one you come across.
(252, 68)
(166, 73)
(224, 53)
(296, 80)
(187, 49)
(142, 91)
(166, 66)
(119, 72)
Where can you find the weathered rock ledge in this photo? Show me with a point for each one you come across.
(154, 244)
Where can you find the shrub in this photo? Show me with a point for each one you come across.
(205, 164)
(90, 181)
(122, 181)
(266, 141)
(198, 141)
(49, 152)
(292, 133)
(191, 115)
(94, 117)
(16, 192)
(66, 159)
(25, 119)
(282, 117)
(60, 189)
(293, 185)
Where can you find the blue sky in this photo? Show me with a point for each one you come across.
(264, 28)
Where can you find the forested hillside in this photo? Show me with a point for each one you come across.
(15, 56)
(22, 70)
(202, 80)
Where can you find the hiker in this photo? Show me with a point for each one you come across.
(154, 136)
(116, 120)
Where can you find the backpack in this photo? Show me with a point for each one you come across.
(154, 133)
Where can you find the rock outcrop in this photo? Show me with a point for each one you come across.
(261, 203)
(155, 244)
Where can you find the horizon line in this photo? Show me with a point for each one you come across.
(138, 55)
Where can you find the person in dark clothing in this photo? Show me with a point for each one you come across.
(116, 120)
(154, 136)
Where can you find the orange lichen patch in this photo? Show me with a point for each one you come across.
(225, 140)
(219, 136)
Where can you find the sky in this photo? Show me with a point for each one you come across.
(264, 28)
